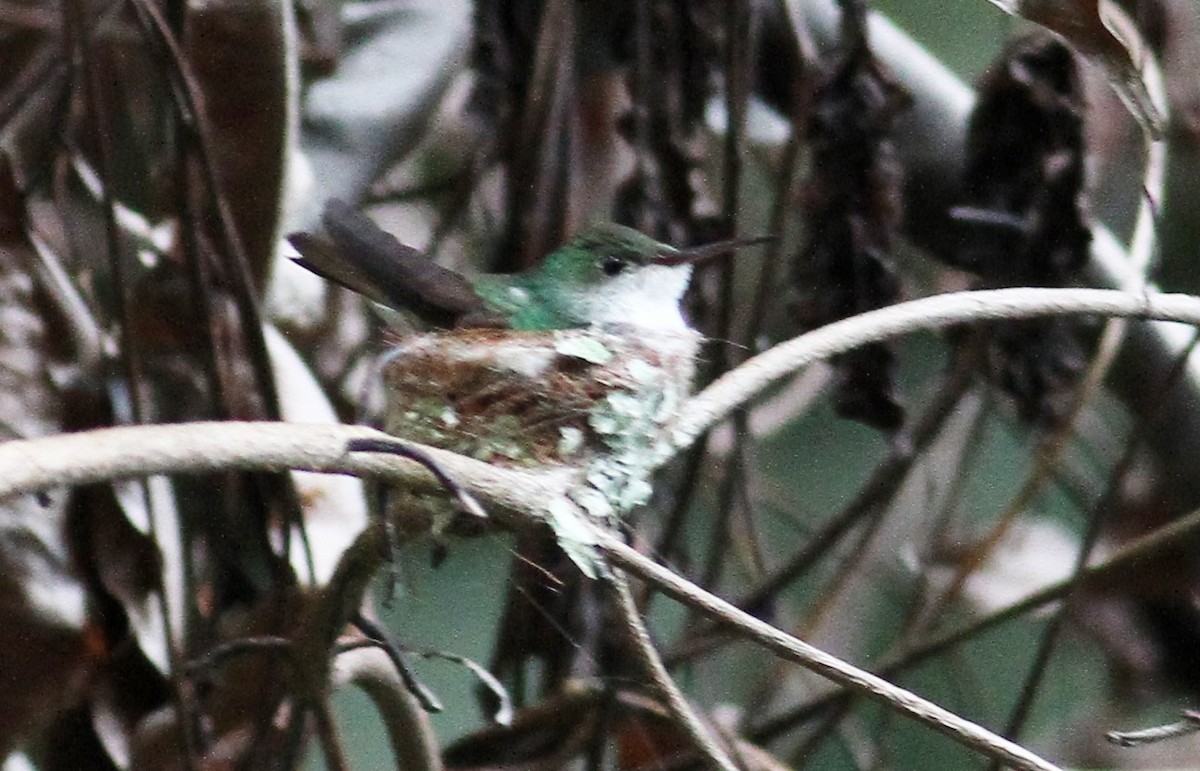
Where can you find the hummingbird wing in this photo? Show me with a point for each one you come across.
(363, 258)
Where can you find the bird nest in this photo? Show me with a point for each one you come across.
(590, 399)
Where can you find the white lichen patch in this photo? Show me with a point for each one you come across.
(594, 502)
(570, 441)
(643, 371)
(524, 361)
(630, 420)
(584, 347)
(574, 537)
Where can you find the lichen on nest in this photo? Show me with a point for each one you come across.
(590, 399)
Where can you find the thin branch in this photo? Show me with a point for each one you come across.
(875, 497)
(1097, 521)
(123, 452)
(815, 659)
(188, 98)
(1189, 723)
(737, 21)
(747, 381)
(129, 451)
(414, 744)
(411, 452)
(1143, 245)
(503, 714)
(875, 493)
(931, 142)
(382, 637)
(1173, 535)
(242, 645)
(332, 750)
(654, 669)
(33, 465)
(118, 453)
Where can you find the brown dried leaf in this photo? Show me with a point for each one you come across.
(1104, 33)
(1023, 221)
(853, 211)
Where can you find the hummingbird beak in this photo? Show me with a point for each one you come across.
(697, 255)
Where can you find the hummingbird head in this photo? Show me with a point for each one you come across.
(611, 274)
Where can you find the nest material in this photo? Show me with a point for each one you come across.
(589, 399)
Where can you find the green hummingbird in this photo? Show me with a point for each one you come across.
(577, 363)
(608, 275)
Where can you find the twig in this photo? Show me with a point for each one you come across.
(1174, 534)
(84, 69)
(332, 751)
(639, 637)
(413, 742)
(931, 143)
(1189, 724)
(1142, 248)
(86, 457)
(187, 96)
(379, 635)
(740, 385)
(217, 655)
(116, 453)
(123, 452)
(736, 18)
(817, 660)
(874, 498)
(412, 452)
(503, 714)
(1099, 515)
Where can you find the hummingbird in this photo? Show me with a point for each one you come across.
(577, 363)
(608, 275)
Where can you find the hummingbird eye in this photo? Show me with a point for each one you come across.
(613, 266)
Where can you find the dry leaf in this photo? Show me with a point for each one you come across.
(1101, 31)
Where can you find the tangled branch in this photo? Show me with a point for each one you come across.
(31, 465)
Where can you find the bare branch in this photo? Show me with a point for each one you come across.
(931, 141)
(1171, 535)
(656, 672)
(124, 452)
(414, 744)
(937, 312)
(817, 660)
(1188, 724)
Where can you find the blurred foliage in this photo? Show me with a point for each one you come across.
(966, 40)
